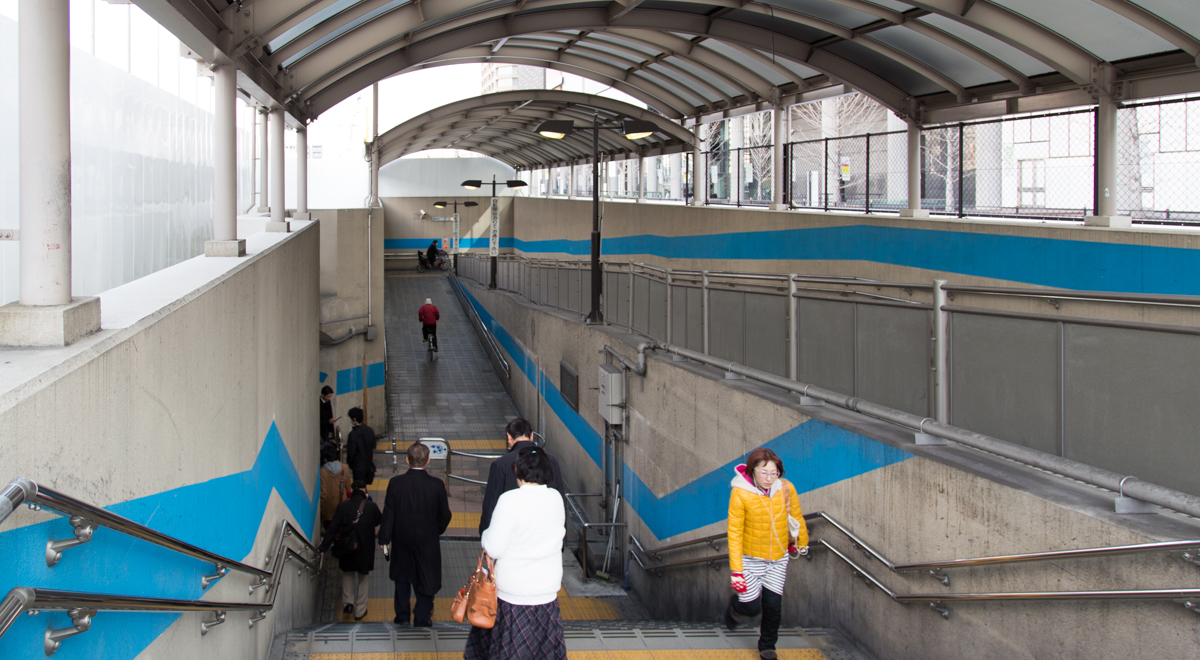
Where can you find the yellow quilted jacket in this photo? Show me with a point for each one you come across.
(758, 523)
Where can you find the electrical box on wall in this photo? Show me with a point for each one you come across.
(612, 393)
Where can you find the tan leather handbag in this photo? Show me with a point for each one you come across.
(476, 602)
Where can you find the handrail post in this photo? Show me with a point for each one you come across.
(630, 324)
(941, 350)
(705, 307)
(669, 338)
(793, 328)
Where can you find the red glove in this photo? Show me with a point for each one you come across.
(738, 582)
(793, 551)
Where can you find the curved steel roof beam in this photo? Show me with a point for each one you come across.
(920, 67)
(678, 48)
(1056, 51)
(1156, 24)
(259, 23)
(977, 54)
(350, 78)
(661, 60)
(546, 150)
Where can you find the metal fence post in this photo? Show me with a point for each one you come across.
(704, 310)
(941, 354)
(867, 177)
(668, 338)
(960, 170)
(630, 324)
(825, 166)
(793, 328)
(737, 176)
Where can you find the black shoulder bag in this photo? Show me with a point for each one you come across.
(346, 542)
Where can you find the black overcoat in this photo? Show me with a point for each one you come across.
(502, 479)
(326, 415)
(360, 451)
(415, 513)
(362, 561)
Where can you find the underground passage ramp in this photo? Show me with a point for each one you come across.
(459, 397)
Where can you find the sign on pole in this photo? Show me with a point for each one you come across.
(454, 237)
(438, 449)
(494, 243)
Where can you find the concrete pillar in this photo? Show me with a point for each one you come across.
(253, 159)
(278, 217)
(302, 175)
(374, 203)
(641, 165)
(45, 315)
(676, 163)
(914, 209)
(264, 172)
(571, 183)
(699, 187)
(224, 242)
(1106, 154)
(779, 121)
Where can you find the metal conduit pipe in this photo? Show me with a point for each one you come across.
(1132, 487)
(638, 367)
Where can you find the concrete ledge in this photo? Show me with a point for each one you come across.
(279, 227)
(1121, 221)
(57, 325)
(262, 209)
(914, 213)
(301, 216)
(236, 248)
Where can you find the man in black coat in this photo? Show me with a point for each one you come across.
(357, 517)
(327, 418)
(360, 448)
(501, 478)
(415, 513)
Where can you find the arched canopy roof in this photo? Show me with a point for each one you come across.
(503, 126)
(928, 59)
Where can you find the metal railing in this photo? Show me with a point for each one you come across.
(81, 606)
(1190, 553)
(454, 452)
(583, 526)
(487, 334)
(654, 301)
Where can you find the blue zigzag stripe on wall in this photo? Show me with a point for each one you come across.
(815, 454)
(1081, 265)
(222, 515)
(351, 380)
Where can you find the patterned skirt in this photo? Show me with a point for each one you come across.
(522, 632)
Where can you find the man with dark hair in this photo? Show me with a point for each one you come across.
(327, 418)
(416, 511)
(360, 448)
(431, 255)
(501, 478)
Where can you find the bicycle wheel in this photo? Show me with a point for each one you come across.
(420, 267)
(445, 265)
(429, 349)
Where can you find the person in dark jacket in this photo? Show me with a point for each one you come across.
(357, 565)
(431, 255)
(501, 478)
(360, 448)
(327, 418)
(428, 315)
(416, 512)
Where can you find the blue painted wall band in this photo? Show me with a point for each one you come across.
(351, 380)
(815, 454)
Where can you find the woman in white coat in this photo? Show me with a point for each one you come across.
(525, 538)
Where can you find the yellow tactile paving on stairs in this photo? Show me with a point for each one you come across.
(478, 445)
(464, 520)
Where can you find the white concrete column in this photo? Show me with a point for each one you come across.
(699, 187)
(45, 315)
(253, 160)
(225, 154)
(571, 177)
(779, 122)
(676, 162)
(264, 172)
(44, 84)
(641, 178)
(302, 174)
(374, 203)
(1106, 154)
(278, 217)
(914, 209)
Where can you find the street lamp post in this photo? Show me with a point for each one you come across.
(494, 232)
(634, 129)
(454, 236)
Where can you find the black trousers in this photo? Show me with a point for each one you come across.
(771, 606)
(423, 616)
(428, 331)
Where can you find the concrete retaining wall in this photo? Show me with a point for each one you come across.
(690, 428)
(194, 411)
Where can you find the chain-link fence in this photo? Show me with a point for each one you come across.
(741, 177)
(1158, 160)
(855, 173)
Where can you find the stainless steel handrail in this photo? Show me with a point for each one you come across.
(1068, 294)
(491, 341)
(454, 452)
(1132, 487)
(26, 491)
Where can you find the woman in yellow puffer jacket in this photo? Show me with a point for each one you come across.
(761, 539)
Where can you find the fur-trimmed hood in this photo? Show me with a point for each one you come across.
(745, 481)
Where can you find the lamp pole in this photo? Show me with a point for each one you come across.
(494, 234)
(596, 316)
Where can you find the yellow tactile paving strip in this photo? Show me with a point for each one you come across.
(478, 445)
(573, 609)
(703, 654)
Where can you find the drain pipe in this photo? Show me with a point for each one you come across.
(638, 367)
(1117, 483)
